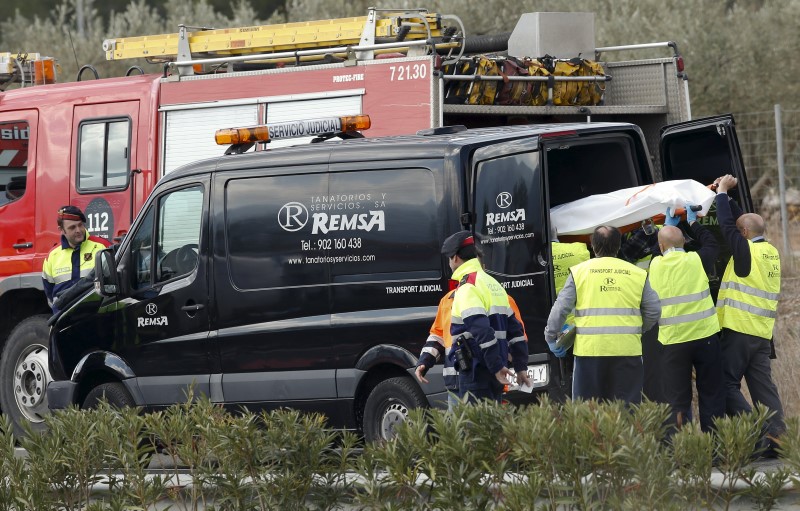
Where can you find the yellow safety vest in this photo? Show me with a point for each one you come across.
(687, 310)
(565, 256)
(608, 318)
(644, 262)
(479, 294)
(750, 305)
(58, 268)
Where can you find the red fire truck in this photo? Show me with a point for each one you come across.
(102, 144)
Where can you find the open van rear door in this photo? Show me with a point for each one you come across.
(703, 150)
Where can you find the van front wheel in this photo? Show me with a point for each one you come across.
(388, 405)
(115, 393)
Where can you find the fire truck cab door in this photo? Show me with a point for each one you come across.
(102, 184)
(17, 192)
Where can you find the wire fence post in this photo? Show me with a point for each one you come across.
(782, 182)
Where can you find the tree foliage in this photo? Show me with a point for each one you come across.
(740, 54)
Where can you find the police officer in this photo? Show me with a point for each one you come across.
(483, 326)
(439, 343)
(613, 304)
(747, 306)
(73, 258)
(688, 328)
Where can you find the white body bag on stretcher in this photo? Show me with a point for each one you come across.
(629, 206)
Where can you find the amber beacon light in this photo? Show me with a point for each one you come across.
(292, 129)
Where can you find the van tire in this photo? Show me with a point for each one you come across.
(115, 393)
(388, 405)
(25, 373)
(118, 397)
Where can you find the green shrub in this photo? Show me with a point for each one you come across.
(581, 455)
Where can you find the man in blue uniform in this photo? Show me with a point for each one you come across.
(484, 329)
(73, 258)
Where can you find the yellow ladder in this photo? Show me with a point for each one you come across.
(204, 43)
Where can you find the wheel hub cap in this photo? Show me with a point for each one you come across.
(395, 414)
(31, 377)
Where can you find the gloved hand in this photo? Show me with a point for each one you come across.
(558, 352)
(671, 220)
(691, 216)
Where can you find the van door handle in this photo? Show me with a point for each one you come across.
(20, 246)
(192, 308)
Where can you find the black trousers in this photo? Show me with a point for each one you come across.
(747, 356)
(652, 359)
(481, 385)
(608, 378)
(705, 356)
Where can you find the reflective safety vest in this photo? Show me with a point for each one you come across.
(750, 305)
(64, 266)
(481, 312)
(565, 256)
(687, 310)
(439, 343)
(608, 317)
(644, 262)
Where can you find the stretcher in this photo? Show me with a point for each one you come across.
(627, 208)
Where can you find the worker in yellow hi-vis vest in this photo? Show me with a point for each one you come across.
(688, 328)
(613, 304)
(565, 256)
(747, 306)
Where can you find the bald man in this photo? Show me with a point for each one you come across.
(747, 307)
(688, 328)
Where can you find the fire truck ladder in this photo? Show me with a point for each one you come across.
(381, 31)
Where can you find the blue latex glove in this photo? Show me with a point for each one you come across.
(671, 220)
(558, 352)
(691, 216)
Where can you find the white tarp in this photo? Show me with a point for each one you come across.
(628, 206)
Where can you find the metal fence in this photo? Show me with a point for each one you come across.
(770, 143)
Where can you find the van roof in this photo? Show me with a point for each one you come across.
(399, 147)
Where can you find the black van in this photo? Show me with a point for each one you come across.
(309, 276)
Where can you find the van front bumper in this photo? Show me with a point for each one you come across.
(61, 394)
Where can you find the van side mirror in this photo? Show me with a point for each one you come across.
(106, 277)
